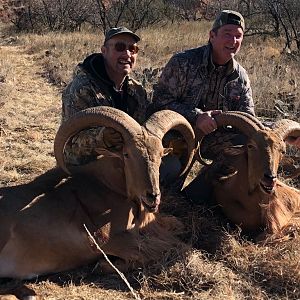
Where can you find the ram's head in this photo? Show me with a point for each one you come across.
(140, 156)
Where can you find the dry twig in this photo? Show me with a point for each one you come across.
(135, 295)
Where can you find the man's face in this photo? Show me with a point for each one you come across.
(226, 42)
(119, 55)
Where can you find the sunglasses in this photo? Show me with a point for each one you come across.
(120, 47)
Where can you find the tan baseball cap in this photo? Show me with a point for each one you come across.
(229, 17)
(120, 30)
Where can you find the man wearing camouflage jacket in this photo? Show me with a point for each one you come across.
(104, 79)
(202, 82)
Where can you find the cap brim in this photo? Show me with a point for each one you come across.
(135, 36)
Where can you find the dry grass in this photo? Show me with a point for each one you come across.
(29, 118)
(218, 262)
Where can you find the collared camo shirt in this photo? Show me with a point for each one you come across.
(190, 84)
(92, 87)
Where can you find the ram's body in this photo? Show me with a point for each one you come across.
(46, 233)
(244, 176)
(42, 222)
(258, 209)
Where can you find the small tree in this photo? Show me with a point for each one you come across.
(190, 10)
(142, 13)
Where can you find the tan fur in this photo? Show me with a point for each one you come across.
(256, 210)
(245, 182)
(282, 209)
(47, 235)
(42, 223)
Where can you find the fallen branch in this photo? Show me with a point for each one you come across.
(135, 295)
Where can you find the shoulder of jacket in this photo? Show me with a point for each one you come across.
(80, 81)
(80, 72)
(242, 73)
(192, 56)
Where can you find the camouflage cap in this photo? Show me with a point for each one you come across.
(229, 17)
(120, 30)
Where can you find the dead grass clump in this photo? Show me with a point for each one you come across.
(23, 170)
(273, 77)
(29, 118)
(5, 74)
(258, 270)
(59, 53)
(74, 291)
(195, 276)
(159, 43)
(203, 224)
(274, 267)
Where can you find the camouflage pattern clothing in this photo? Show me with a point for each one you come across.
(190, 84)
(92, 87)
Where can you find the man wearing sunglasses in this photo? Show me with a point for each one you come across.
(104, 79)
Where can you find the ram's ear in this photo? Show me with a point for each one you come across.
(109, 153)
(234, 150)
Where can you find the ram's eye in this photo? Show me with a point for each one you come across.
(125, 155)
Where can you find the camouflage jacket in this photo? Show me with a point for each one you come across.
(92, 87)
(190, 84)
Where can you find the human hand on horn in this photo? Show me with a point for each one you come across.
(112, 138)
(294, 141)
(206, 122)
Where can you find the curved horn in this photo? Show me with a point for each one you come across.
(239, 121)
(285, 128)
(250, 117)
(162, 121)
(246, 123)
(93, 117)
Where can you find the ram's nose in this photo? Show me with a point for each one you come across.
(152, 201)
(270, 179)
(268, 183)
(153, 198)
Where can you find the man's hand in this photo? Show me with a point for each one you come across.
(112, 138)
(294, 141)
(205, 121)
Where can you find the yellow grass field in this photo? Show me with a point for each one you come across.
(218, 262)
